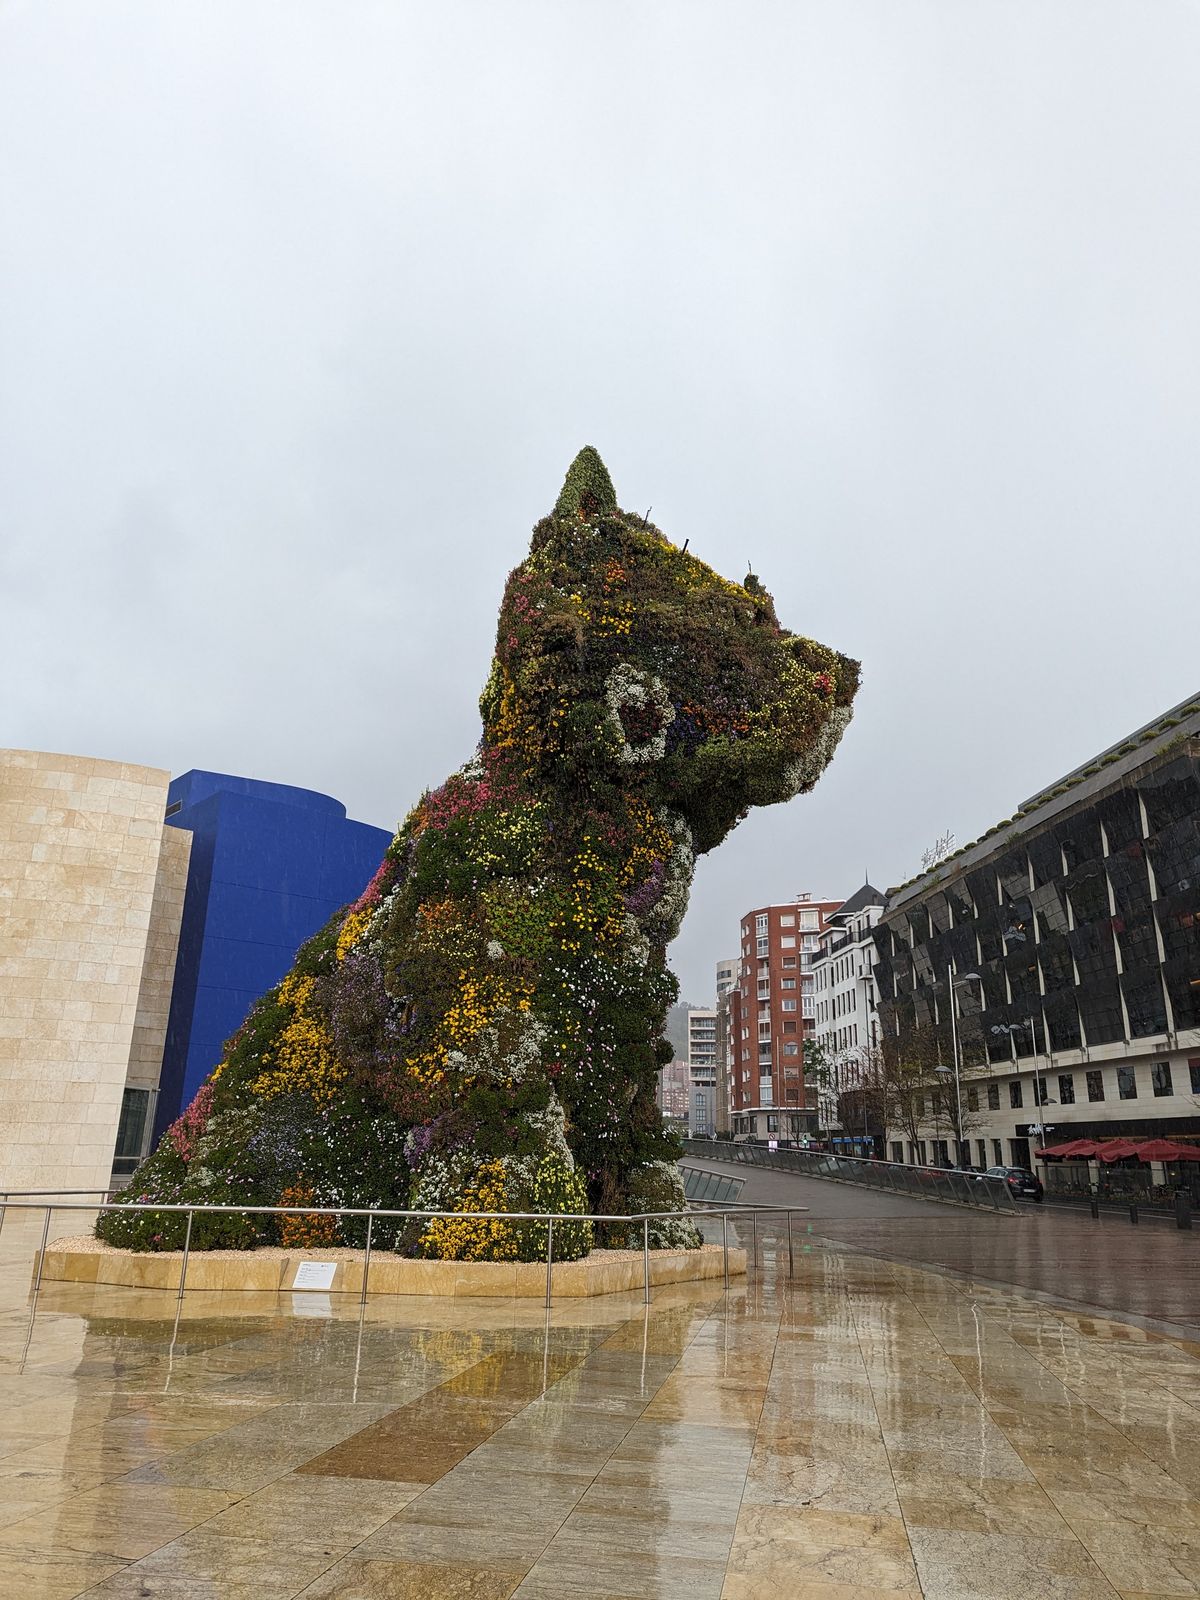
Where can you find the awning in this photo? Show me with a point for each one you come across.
(1073, 1147)
(1167, 1150)
(1116, 1150)
(1122, 1149)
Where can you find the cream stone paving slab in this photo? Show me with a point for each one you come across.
(809, 1545)
(1166, 1559)
(357, 1579)
(341, 1511)
(41, 1576)
(114, 1520)
(961, 1565)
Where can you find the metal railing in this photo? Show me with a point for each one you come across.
(33, 1200)
(976, 1190)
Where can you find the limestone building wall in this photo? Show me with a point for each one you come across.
(81, 843)
(158, 971)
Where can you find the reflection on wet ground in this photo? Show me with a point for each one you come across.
(866, 1428)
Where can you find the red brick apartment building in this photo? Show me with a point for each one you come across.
(772, 1010)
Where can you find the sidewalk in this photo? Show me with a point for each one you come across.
(1149, 1273)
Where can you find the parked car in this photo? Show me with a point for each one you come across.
(1019, 1180)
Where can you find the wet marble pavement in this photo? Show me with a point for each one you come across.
(867, 1428)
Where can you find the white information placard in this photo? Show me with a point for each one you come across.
(314, 1275)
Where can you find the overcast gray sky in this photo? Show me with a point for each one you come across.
(304, 310)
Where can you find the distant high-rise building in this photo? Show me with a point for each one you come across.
(673, 1092)
(702, 1069)
(727, 977)
(772, 1011)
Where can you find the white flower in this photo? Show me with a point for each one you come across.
(802, 774)
(627, 686)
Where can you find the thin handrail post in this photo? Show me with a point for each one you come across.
(725, 1243)
(549, 1258)
(362, 1300)
(754, 1237)
(646, 1258)
(37, 1282)
(791, 1252)
(187, 1250)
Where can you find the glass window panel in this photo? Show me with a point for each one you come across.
(1142, 987)
(1066, 1088)
(1127, 1083)
(1095, 1084)
(1160, 1078)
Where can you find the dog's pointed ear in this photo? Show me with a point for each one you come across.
(587, 490)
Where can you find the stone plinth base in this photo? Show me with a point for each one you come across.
(273, 1271)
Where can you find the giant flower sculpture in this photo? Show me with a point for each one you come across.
(483, 1029)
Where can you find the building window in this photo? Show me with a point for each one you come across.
(919, 1105)
(997, 1153)
(790, 1047)
(809, 919)
(789, 961)
(131, 1128)
(897, 1151)
(763, 947)
(1066, 1088)
(1194, 1070)
(788, 1005)
(788, 983)
(1095, 1084)
(972, 1099)
(941, 1152)
(993, 1096)
(1015, 1097)
(760, 924)
(1160, 1078)
(787, 943)
(982, 1144)
(1126, 1083)
(787, 922)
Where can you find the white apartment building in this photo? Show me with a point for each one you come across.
(846, 1030)
(728, 972)
(702, 1069)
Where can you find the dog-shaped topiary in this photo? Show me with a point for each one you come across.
(483, 1029)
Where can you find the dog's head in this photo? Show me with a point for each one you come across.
(623, 661)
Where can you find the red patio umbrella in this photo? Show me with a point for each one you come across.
(1073, 1147)
(1116, 1150)
(1167, 1150)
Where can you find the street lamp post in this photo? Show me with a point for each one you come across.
(953, 983)
(1041, 1098)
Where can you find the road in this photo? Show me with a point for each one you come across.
(1150, 1273)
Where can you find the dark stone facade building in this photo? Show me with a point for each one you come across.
(1067, 943)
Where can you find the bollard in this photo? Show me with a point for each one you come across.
(1133, 1213)
(1183, 1208)
(1095, 1205)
